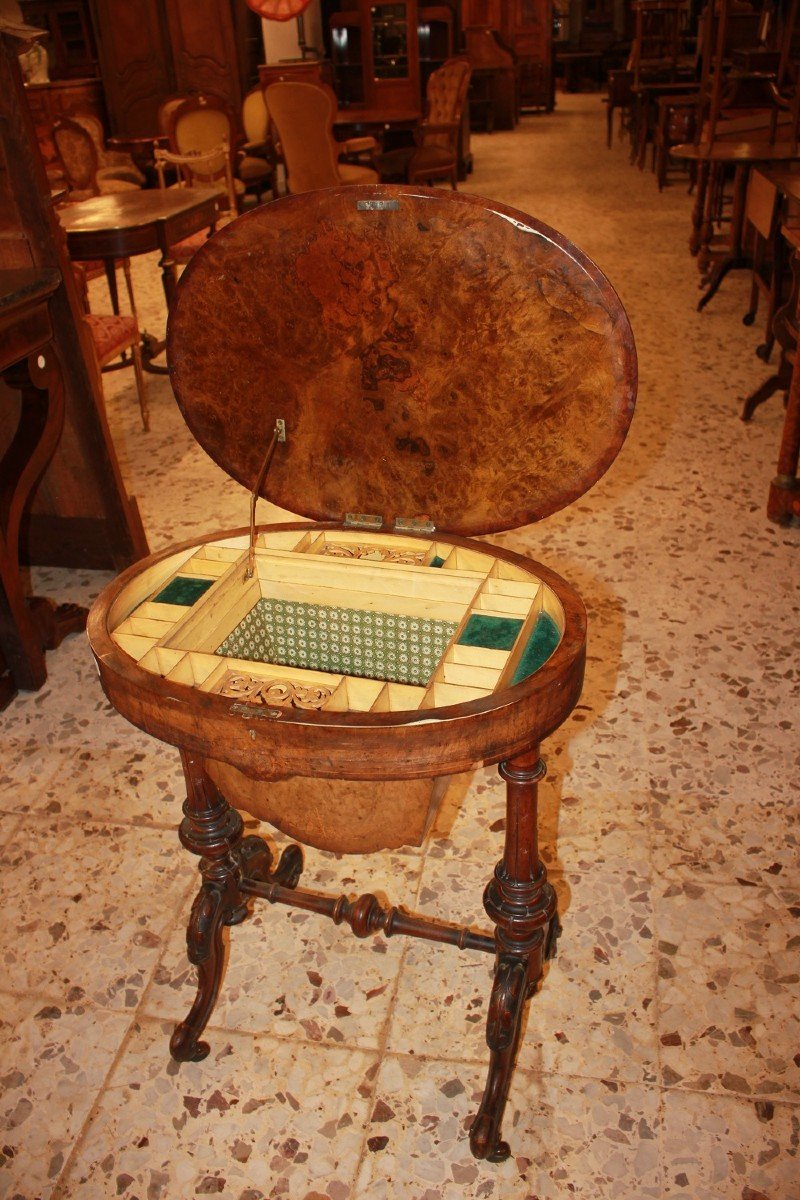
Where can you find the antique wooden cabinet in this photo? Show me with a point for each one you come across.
(358, 37)
(375, 52)
(149, 50)
(525, 28)
(408, 368)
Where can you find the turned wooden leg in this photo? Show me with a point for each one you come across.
(698, 212)
(522, 905)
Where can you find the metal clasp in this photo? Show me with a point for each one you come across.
(278, 435)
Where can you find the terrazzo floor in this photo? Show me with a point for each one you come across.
(661, 1054)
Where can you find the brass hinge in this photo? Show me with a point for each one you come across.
(401, 524)
(413, 525)
(363, 521)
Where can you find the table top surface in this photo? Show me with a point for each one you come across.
(338, 305)
(736, 152)
(132, 210)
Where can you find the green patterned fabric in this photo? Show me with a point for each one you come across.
(341, 641)
(184, 589)
(541, 644)
(493, 633)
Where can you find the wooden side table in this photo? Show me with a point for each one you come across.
(408, 368)
(29, 364)
(742, 156)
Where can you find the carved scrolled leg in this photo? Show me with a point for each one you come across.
(213, 830)
(522, 905)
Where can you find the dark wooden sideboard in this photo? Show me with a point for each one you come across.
(62, 498)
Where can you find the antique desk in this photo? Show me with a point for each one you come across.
(121, 226)
(408, 368)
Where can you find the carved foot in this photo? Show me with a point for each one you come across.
(204, 947)
(255, 860)
(509, 993)
(290, 866)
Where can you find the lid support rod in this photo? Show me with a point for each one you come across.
(278, 435)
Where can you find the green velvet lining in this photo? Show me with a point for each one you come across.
(541, 644)
(436, 561)
(493, 633)
(184, 590)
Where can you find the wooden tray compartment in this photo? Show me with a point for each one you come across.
(303, 574)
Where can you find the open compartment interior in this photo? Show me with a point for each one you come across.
(340, 620)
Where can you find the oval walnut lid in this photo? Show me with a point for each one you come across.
(432, 354)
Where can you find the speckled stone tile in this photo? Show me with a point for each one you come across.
(296, 974)
(594, 1013)
(213, 1128)
(135, 780)
(577, 1137)
(751, 835)
(49, 1084)
(25, 769)
(9, 824)
(723, 1148)
(86, 907)
(727, 987)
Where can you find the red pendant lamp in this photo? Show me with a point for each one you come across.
(278, 10)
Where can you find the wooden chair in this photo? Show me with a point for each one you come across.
(435, 155)
(619, 96)
(675, 124)
(657, 37)
(211, 169)
(113, 334)
(257, 150)
(200, 124)
(196, 128)
(78, 153)
(303, 115)
(112, 164)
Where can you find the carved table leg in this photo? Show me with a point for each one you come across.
(213, 830)
(522, 905)
(40, 383)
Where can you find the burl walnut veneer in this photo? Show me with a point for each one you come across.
(407, 368)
